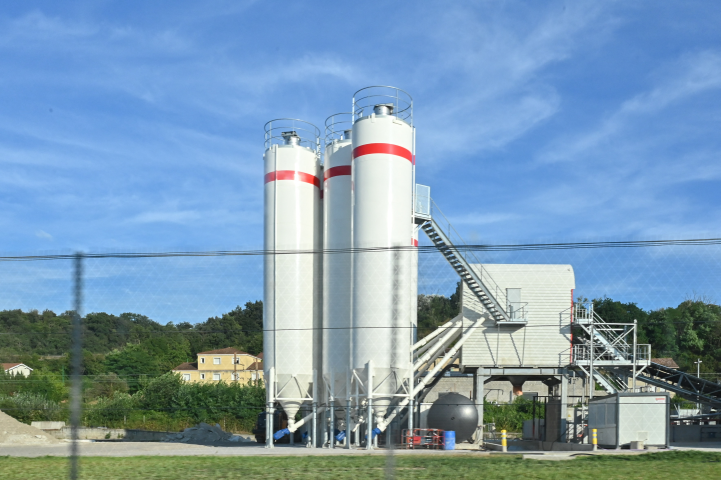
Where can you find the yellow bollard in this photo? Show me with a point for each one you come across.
(504, 443)
(594, 439)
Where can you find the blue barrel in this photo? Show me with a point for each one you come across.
(449, 440)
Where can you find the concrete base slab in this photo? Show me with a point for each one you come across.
(551, 458)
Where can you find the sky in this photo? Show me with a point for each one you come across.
(138, 126)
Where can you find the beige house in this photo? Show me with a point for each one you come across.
(226, 365)
(15, 368)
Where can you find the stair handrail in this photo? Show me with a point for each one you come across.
(467, 254)
(585, 311)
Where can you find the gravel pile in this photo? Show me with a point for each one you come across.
(18, 433)
(204, 434)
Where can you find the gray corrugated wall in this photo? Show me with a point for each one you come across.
(545, 340)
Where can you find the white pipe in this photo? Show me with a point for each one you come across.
(452, 354)
(301, 422)
(433, 343)
(445, 339)
(433, 334)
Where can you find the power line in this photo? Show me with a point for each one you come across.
(423, 248)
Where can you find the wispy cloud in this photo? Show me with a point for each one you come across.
(43, 234)
(689, 76)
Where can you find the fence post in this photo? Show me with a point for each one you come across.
(77, 353)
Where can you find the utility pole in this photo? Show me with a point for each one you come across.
(698, 363)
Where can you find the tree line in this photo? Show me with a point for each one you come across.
(132, 346)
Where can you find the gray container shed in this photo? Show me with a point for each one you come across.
(627, 417)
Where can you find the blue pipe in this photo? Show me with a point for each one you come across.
(281, 433)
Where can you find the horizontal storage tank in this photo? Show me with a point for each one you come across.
(382, 236)
(337, 244)
(292, 268)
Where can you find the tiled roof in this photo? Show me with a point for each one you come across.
(255, 366)
(260, 355)
(186, 366)
(224, 351)
(8, 366)
(666, 362)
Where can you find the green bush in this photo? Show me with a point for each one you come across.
(510, 416)
(110, 411)
(30, 407)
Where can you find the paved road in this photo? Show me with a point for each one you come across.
(132, 449)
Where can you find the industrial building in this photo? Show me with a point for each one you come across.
(340, 299)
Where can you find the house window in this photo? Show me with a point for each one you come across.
(186, 377)
(236, 376)
(216, 361)
(202, 376)
(216, 376)
(254, 376)
(202, 359)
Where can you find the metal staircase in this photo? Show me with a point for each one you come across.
(464, 270)
(461, 258)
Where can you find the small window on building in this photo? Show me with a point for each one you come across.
(216, 376)
(236, 376)
(186, 377)
(254, 376)
(202, 359)
(202, 376)
(216, 361)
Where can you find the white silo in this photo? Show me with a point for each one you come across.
(292, 269)
(337, 244)
(382, 235)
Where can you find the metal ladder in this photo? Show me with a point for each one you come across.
(464, 270)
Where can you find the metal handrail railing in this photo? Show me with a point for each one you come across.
(467, 253)
(584, 312)
(308, 133)
(582, 353)
(382, 94)
(517, 310)
(336, 125)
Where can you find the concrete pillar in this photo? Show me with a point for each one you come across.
(564, 407)
(479, 380)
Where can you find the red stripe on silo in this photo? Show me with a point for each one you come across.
(387, 148)
(414, 242)
(337, 171)
(292, 175)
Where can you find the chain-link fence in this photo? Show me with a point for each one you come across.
(144, 315)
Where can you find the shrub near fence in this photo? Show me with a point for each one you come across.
(165, 403)
(169, 403)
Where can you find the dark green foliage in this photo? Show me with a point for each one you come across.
(48, 386)
(435, 310)
(690, 331)
(510, 416)
(241, 328)
(166, 402)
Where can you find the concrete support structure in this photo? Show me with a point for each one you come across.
(479, 381)
(564, 407)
